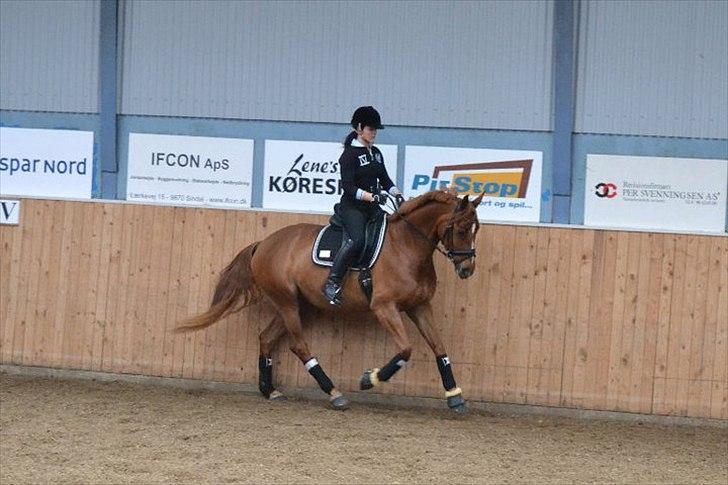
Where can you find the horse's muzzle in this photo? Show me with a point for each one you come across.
(465, 269)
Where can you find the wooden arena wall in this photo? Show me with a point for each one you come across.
(591, 319)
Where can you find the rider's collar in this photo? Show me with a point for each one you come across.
(356, 143)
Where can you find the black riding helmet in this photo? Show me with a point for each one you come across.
(366, 116)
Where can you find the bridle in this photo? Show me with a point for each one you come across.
(450, 254)
(449, 229)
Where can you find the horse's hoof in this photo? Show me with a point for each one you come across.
(368, 379)
(277, 396)
(339, 403)
(460, 410)
(457, 404)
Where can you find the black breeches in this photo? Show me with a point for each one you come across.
(355, 223)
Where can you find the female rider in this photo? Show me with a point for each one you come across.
(362, 171)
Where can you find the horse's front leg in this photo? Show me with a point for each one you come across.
(422, 318)
(389, 317)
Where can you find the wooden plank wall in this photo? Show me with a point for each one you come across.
(579, 318)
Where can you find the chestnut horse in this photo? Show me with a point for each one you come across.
(280, 268)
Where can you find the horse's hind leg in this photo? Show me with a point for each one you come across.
(268, 338)
(389, 318)
(422, 318)
(292, 321)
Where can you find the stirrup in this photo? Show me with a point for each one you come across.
(335, 301)
(335, 298)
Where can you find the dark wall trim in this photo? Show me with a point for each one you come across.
(564, 105)
(107, 98)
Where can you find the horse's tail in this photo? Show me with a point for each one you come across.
(235, 290)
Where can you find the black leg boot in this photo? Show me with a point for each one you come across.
(339, 267)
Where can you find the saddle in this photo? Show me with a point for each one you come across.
(329, 240)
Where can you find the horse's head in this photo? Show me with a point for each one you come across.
(457, 232)
(445, 220)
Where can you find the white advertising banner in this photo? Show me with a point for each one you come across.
(685, 194)
(509, 179)
(46, 163)
(305, 175)
(190, 170)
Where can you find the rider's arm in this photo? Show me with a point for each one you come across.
(348, 172)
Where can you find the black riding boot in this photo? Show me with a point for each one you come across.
(339, 267)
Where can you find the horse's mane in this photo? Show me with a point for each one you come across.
(413, 204)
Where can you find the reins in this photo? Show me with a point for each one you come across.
(448, 253)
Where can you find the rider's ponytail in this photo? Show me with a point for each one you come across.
(349, 138)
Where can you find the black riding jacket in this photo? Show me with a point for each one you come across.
(361, 168)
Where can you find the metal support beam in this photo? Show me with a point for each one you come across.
(564, 105)
(107, 98)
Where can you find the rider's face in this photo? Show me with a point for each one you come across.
(367, 134)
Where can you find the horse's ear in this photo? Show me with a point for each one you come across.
(463, 203)
(476, 201)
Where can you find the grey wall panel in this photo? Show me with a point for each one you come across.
(653, 68)
(451, 64)
(49, 55)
